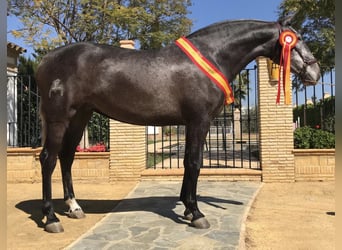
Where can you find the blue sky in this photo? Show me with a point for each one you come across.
(206, 12)
(203, 13)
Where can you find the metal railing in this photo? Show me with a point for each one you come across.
(314, 106)
(232, 140)
(23, 123)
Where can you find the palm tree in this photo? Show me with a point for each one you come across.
(240, 88)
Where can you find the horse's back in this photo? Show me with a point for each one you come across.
(72, 56)
(141, 87)
(75, 65)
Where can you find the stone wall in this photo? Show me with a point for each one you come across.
(23, 166)
(314, 164)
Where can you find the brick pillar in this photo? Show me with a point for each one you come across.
(276, 130)
(127, 146)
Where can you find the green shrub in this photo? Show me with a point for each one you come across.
(323, 113)
(306, 137)
(302, 137)
(322, 139)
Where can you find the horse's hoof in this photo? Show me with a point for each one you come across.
(54, 227)
(76, 214)
(188, 215)
(201, 223)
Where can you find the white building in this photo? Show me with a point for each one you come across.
(13, 52)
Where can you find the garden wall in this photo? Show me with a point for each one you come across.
(314, 164)
(23, 166)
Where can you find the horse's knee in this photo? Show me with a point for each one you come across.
(43, 156)
(193, 163)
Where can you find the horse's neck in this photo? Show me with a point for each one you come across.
(233, 47)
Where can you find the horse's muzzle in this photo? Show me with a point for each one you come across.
(311, 74)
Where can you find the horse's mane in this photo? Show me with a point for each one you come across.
(219, 25)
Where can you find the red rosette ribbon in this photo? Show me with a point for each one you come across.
(287, 40)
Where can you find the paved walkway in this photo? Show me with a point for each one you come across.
(150, 217)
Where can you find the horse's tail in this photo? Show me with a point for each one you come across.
(43, 124)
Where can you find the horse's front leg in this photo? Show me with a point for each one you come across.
(193, 161)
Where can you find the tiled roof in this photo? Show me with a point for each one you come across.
(15, 47)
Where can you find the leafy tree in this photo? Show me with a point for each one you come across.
(315, 20)
(53, 23)
(240, 88)
(26, 66)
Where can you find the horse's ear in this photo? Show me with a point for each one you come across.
(287, 20)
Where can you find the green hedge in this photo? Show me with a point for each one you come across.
(306, 137)
(322, 114)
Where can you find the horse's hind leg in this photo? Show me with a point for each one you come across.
(195, 137)
(66, 156)
(48, 157)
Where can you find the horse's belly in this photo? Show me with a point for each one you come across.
(142, 113)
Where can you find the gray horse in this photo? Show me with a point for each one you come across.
(158, 87)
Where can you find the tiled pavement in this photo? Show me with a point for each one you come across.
(150, 217)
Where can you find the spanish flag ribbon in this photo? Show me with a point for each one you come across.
(288, 40)
(207, 68)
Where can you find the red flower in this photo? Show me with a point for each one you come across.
(99, 147)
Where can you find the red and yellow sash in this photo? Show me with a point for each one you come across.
(207, 68)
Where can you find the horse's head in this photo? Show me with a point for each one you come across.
(303, 63)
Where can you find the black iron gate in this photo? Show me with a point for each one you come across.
(232, 140)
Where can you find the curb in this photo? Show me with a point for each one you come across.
(242, 239)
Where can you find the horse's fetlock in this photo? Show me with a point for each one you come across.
(73, 205)
(47, 208)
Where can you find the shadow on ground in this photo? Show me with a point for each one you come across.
(161, 205)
